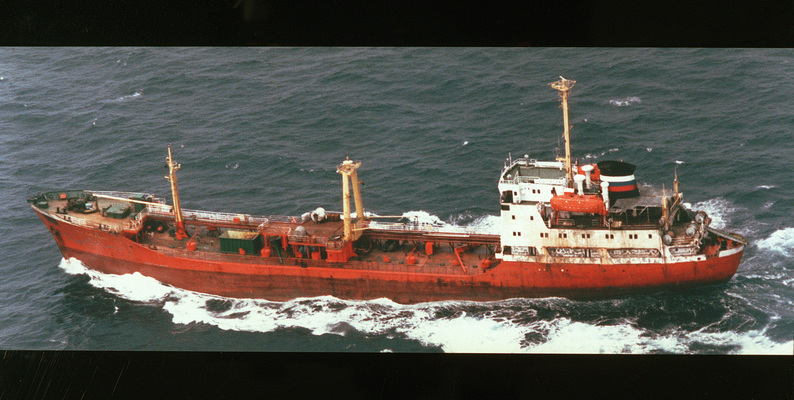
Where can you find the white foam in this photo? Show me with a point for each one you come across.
(718, 209)
(780, 241)
(466, 334)
(494, 331)
(753, 342)
(566, 336)
(490, 224)
(424, 217)
(766, 186)
(128, 97)
(626, 101)
(135, 286)
(578, 337)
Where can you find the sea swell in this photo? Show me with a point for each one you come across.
(550, 325)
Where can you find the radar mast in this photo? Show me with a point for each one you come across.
(564, 86)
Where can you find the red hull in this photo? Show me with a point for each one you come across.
(245, 276)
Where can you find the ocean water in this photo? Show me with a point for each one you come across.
(261, 131)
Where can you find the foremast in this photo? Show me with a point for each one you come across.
(172, 168)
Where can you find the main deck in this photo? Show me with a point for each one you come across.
(290, 240)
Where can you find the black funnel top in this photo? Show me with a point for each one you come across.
(615, 168)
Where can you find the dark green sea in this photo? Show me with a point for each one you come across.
(261, 131)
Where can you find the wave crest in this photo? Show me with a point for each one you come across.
(780, 241)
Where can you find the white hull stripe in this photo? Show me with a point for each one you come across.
(610, 179)
(726, 253)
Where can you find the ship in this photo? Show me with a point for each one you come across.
(566, 230)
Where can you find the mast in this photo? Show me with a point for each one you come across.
(564, 86)
(172, 168)
(348, 170)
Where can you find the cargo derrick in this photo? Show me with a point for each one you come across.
(566, 230)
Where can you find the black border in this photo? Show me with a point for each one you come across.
(232, 375)
(539, 23)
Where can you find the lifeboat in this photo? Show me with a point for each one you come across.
(588, 203)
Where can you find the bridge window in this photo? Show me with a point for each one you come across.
(514, 217)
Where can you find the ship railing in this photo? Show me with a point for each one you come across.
(534, 162)
(137, 219)
(424, 227)
(641, 226)
(270, 230)
(533, 179)
(307, 240)
(126, 195)
(164, 210)
(565, 222)
(682, 240)
(92, 224)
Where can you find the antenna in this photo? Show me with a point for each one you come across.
(665, 211)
